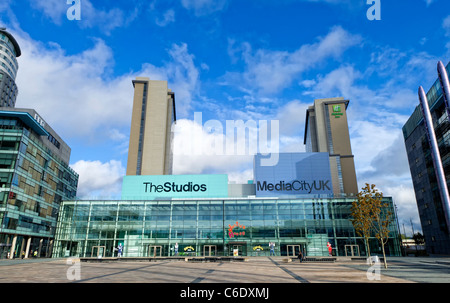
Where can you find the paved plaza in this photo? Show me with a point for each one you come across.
(253, 270)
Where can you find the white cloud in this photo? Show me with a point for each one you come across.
(204, 7)
(72, 86)
(271, 71)
(79, 87)
(167, 18)
(200, 149)
(99, 180)
(446, 25)
(211, 148)
(91, 17)
(53, 9)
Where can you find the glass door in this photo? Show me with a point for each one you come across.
(154, 251)
(351, 250)
(209, 250)
(293, 250)
(98, 251)
(238, 250)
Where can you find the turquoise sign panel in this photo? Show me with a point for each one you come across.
(174, 186)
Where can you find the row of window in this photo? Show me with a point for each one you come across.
(5, 40)
(4, 49)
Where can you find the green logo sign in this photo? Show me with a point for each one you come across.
(337, 111)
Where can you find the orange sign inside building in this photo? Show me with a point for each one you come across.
(236, 230)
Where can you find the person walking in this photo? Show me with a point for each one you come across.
(120, 250)
(300, 256)
(272, 248)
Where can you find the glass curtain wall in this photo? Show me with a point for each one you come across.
(211, 228)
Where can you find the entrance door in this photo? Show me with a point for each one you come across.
(154, 251)
(209, 250)
(351, 250)
(293, 250)
(98, 251)
(241, 249)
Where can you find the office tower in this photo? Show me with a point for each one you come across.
(326, 130)
(9, 51)
(34, 178)
(427, 141)
(150, 147)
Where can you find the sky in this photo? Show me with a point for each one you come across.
(229, 60)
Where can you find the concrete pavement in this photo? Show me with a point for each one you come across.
(255, 270)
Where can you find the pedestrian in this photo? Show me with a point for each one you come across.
(300, 256)
(120, 248)
(23, 254)
(272, 248)
(176, 249)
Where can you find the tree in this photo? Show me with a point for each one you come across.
(361, 214)
(382, 218)
(370, 214)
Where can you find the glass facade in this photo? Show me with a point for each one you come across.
(9, 50)
(212, 227)
(420, 158)
(33, 182)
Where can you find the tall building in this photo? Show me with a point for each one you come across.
(150, 147)
(9, 51)
(35, 178)
(427, 141)
(326, 130)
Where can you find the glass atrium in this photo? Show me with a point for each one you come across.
(213, 227)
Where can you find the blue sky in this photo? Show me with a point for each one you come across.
(228, 59)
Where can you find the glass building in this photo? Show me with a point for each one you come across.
(9, 51)
(423, 164)
(34, 178)
(213, 227)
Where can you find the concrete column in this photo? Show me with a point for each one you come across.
(21, 247)
(27, 251)
(13, 247)
(40, 247)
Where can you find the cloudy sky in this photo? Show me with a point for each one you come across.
(249, 60)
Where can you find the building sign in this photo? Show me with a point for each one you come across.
(258, 248)
(174, 186)
(337, 113)
(189, 249)
(295, 174)
(39, 120)
(236, 230)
